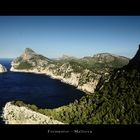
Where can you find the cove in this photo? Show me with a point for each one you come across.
(37, 89)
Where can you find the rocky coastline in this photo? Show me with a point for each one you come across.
(88, 87)
(13, 114)
(2, 69)
(67, 71)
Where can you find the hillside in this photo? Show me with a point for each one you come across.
(103, 62)
(83, 73)
(117, 102)
(23, 115)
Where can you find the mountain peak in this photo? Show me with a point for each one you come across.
(28, 53)
(66, 57)
(29, 50)
(102, 55)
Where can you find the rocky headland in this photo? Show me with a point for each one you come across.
(84, 73)
(13, 114)
(117, 102)
(88, 74)
(2, 69)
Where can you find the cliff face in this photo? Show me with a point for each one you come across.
(13, 114)
(118, 102)
(83, 73)
(2, 69)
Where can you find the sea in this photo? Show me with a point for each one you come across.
(38, 89)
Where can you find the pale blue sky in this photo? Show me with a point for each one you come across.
(77, 36)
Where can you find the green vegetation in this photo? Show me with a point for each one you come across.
(24, 65)
(96, 65)
(115, 104)
(93, 64)
(118, 102)
(99, 64)
(77, 68)
(18, 103)
(21, 103)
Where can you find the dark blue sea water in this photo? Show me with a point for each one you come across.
(36, 89)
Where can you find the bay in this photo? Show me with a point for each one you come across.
(37, 89)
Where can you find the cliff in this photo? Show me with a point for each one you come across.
(118, 102)
(2, 69)
(13, 114)
(82, 73)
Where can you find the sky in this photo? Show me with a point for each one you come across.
(78, 36)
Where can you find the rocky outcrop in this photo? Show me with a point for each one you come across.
(29, 60)
(82, 73)
(2, 69)
(13, 114)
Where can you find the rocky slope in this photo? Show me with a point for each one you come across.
(83, 73)
(13, 114)
(2, 69)
(114, 103)
(118, 102)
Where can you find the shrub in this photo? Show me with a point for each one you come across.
(24, 65)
